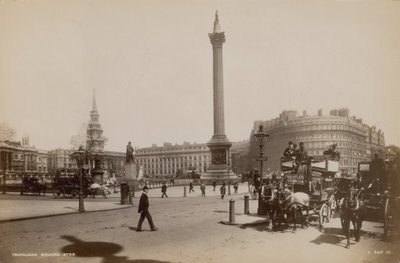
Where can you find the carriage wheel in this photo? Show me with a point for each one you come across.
(58, 193)
(323, 214)
(74, 194)
(253, 192)
(386, 218)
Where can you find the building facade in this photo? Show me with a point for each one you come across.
(60, 161)
(42, 162)
(355, 140)
(239, 154)
(172, 159)
(18, 159)
(113, 163)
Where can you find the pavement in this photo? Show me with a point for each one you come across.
(189, 230)
(15, 207)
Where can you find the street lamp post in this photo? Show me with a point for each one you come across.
(229, 181)
(261, 138)
(80, 154)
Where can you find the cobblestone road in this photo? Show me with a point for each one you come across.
(189, 231)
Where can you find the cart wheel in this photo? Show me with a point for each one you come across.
(323, 214)
(58, 193)
(74, 194)
(386, 218)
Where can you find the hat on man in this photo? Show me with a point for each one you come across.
(145, 188)
(290, 143)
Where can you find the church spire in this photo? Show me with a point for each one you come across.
(94, 107)
(217, 28)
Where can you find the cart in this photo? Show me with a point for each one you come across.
(320, 186)
(376, 195)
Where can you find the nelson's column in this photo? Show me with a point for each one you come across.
(219, 144)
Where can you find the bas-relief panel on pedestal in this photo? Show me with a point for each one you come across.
(218, 157)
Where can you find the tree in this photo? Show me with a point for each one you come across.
(80, 138)
(7, 133)
(393, 148)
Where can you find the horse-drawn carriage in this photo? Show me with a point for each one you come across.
(68, 187)
(32, 185)
(375, 195)
(255, 183)
(314, 177)
(364, 196)
(65, 187)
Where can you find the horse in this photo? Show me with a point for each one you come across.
(295, 203)
(271, 202)
(352, 210)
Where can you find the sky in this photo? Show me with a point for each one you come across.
(150, 64)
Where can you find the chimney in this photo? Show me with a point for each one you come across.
(320, 112)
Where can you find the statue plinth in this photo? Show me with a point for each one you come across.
(131, 175)
(219, 169)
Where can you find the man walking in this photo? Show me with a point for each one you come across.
(203, 189)
(214, 185)
(191, 188)
(236, 187)
(164, 190)
(144, 211)
(223, 190)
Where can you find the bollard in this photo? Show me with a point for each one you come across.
(184, 191)
(130, 197)
(231, 211)
(246, 205)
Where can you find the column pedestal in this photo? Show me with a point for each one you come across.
(219, 170)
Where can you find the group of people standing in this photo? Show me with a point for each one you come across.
(222, 189)
(300, 156)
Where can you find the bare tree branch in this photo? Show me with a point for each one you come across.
(7, 133)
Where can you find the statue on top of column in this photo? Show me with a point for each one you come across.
(129, 153)
(217, 28)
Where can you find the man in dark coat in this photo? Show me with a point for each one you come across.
(144, 211)
(289, 152)
(223, 190)
(332, 153)
(191, 187)
(377, 168)
(214, 184)
(164, 190)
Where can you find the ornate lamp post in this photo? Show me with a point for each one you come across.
(81, 158)
(261, 138)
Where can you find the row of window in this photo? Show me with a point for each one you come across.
(313, 126)
(166, 150)
(169, 165)
(335, 136)
(172, 170)
(171, 159)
